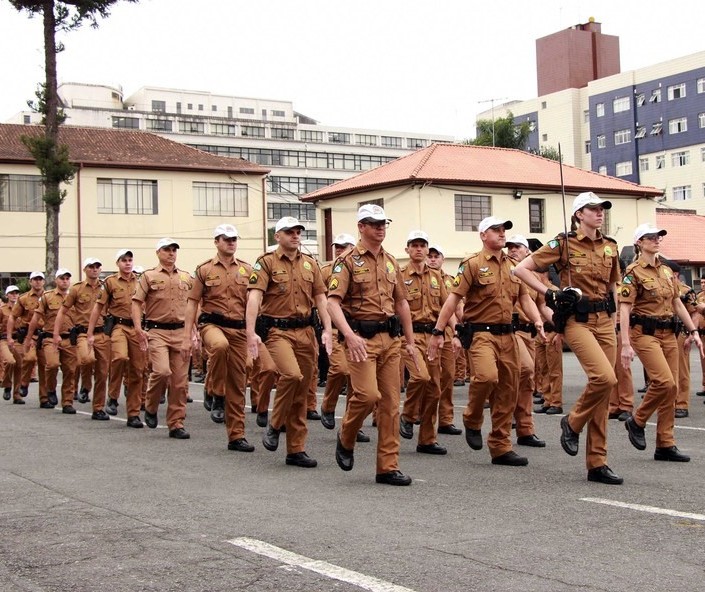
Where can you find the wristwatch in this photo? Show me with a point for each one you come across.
(435, 331)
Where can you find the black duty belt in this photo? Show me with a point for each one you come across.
(650, 324)
(549, 327)
(121, 321)
(499, 329)
(597, 306)
(166, 326)
(98, 330)
(369, 329)
(48, 335)
(422, 327)
(78, 329)
(294, 323)
(526, 328)
(220, 320)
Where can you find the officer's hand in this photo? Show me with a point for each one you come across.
(144, 340)
(10, 342)
(327, 340)
(90, 340)
(557, 342)
(186, 349)
(56, 339)
(562, 299)
(413, 354)
(253, 343)
(627, 356)
(540, 332)
(694, 339)
(357, 348)
(434, 344)
(27, 344)
(456, 345)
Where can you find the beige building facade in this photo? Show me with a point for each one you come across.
(130, 190)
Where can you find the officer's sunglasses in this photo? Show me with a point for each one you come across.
(652, 237)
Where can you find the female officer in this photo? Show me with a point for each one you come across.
(649, 297)
(587, 261)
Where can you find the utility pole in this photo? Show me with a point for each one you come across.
(492, 103)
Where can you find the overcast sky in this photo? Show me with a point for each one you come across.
(401, 65)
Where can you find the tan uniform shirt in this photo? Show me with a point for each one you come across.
(426, 293)
(24, 309)
(81, 299)
(700, 299)
(650, 289)
(593, 264)
(289, 285)
(223, 288)
(117, 294)
(5, 311)
(489, 288)
(49, 305)
(164, 294)
(367, 286)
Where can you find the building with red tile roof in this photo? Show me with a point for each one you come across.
(446, 189)
(131, 188)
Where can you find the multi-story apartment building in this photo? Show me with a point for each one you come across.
(302, 155)
(646, 126)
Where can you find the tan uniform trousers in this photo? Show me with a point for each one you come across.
(227, 363)
(494, 361)
(461, 365)
(101, 354)
(30, 360)
(65, 357)
(12, 368)
(85, 375)
(376, 382)
(168, 370)
(622, 395)
(423, 391)
(127, 363)
(525, 397)
(594, 343)
(338, 376)
(683, 396)
(659, 355)
(17, 353)
(262, 379)
(292, 351)
(446, 411)
(312, 398)
(549, 371)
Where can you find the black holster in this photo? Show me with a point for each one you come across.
(262, 328)
(395, 329)
(465, 333)
(73, 334)
(21, 335)
(108, 325)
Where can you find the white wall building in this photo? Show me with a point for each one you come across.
(303, 156)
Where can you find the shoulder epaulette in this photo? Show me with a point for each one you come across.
(609, 238)
(203, 263)
(571, 234)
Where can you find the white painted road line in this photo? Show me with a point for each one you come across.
(320, 567)
(641, 508)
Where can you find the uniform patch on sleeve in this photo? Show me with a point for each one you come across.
(626, 291)
(456, 280)
(628, 279)
(553, 243)
(338, 268)
(253, 278)
(257, 266)
(333, 284)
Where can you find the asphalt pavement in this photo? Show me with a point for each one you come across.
(90, 505)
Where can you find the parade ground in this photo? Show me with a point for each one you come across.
(89, 505)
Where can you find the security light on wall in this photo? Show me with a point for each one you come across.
(518, 193)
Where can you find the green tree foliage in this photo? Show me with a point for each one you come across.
(502, 132)
(548, 152)
(52, 158)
